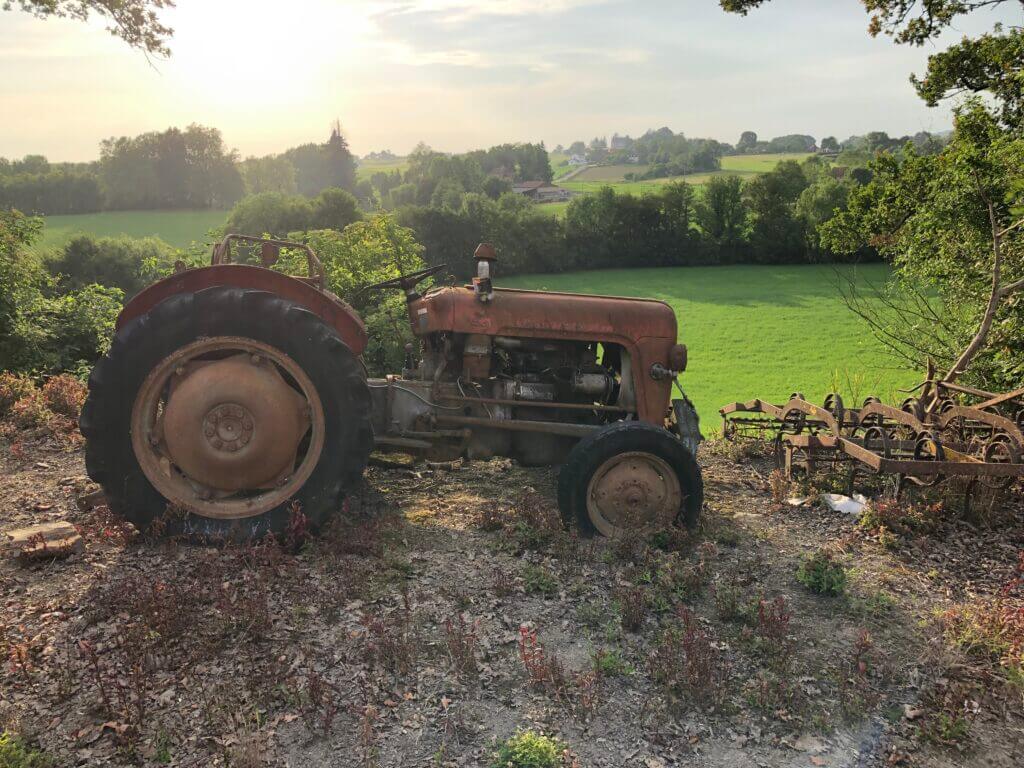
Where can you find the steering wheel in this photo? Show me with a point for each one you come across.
(405, 282)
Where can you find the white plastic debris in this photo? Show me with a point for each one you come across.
(845, 504)
(798, 501)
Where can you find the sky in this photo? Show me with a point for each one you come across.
(463, 74)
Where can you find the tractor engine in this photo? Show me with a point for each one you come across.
(523, 373)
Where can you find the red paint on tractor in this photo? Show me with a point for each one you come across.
(323, 304)
(645, 328)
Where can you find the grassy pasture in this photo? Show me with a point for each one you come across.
(759, 163)
(178, 228)
(756, 331)
(367, 168)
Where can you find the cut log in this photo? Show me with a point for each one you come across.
(35, 542)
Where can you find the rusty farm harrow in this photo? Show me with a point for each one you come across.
(922, 442)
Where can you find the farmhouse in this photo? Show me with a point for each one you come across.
(540, 191)
(577, 159)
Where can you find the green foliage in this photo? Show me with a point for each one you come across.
(928, 215)
(57, 191)
(276, 214)
(170, 169)
(14, 753)
(529, 749)
(822, 574)
(38, 331)
(365, 252)
(268, 174)
(118, 262)
(323, 166)
(777, 233)
(538, 581)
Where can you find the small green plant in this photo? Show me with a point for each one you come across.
(610, 663)
(822, 573)
(539, 581)
(729, 600)
(14, 753)
(529, 749)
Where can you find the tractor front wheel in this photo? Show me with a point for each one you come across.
(225, 407)
(630, 476)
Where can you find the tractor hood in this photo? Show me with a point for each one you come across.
(545, 315)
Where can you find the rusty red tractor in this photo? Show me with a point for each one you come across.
(233, 391)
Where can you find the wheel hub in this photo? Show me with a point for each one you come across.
(228, 427)
(632, 491)
(233, 424)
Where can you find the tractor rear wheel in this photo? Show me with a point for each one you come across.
(225, 407)
(630, 476)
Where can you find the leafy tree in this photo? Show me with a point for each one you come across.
(577, 148)
(777, 234)
(170, 169)
(795, 142)
(334, 209)
(829, 144)
(270, 213)
(320, 166)
(722, 213)
(747, 142)
(947, 224)
(137, 22)
(268, 174)
(817, 205)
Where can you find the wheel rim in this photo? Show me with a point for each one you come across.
(227, 427)
(633, 491)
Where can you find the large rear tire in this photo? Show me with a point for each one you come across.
(226, 406)
(630, 476)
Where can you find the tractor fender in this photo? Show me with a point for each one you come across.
(325, 305)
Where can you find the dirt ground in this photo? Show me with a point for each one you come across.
(447, 609)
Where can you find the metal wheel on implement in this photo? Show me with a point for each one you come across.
(227, 404)
(630, 476)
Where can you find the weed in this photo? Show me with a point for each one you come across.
(319, 702)
(951, 711)
(820, 572)
(856, 693)
(670, 539)
(30, 412)
(728, 597)
(779, 486)
(462, 641)
(367, 734)
(632, 604)
(503, 583)
(15, 753)
(590, 615)
(773, 632)
(65, 395)
(538, 581)
(534, 523)
(686, 662)
(993, 628)
(610, 663)
(543, 670)
(390, 641)
(529, 749)
(13, 387)
(491, 517)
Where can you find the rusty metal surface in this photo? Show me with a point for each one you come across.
(921, 441)
(631, 491)
(217, 431)
(646, 329)
(326, 306)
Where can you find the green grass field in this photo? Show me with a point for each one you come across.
(367, 168)
(178, 228)
(756, 331)
(759, 163)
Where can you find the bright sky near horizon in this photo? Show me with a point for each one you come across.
(462, 74)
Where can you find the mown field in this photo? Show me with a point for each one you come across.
(367, 168)
(756, 331)
(178, 228)
(592, 179)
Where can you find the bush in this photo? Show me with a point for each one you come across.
(65, 395)
(116, 262)
(31, 411)
(821, 573)
(13, 387)
(15, 754)
(528, 749)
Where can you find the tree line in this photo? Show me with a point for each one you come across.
(171, 169)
